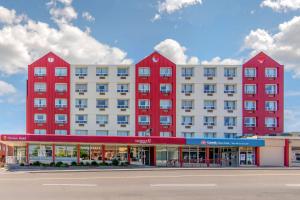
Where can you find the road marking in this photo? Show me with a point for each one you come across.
(71, 185)
(183, 185)
(292, 185)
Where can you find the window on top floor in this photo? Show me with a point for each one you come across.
(209, 72)
(187, 71)
(40, 87)
(230, 72)
(165, 71)
(102, 71)
(144, 71)
(40, 71)
(250, 72)
(61, 71)
(81, 71)
(122, 71)
(271, 72)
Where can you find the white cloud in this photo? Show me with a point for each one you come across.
(62, 11)
(292, 94)
(291, 121)
(22, 43)
(87, 16)
(281, 5)
(175, 52)
(9, 16)
(219, 61)
(283, 46)
(171, 6)
(6, 88)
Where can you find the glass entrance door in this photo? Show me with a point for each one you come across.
(229, 157)
(140, 155)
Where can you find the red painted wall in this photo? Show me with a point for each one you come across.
(260, 62)
(50, 79)
(155, 80)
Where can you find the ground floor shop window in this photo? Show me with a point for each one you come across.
(247, 156)
(196, 155)
(85, 153)
(296, 156)
(40, 152)
(116, 153)
(66, 153)
(96, 153)
(167, 156)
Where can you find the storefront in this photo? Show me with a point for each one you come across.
(146, 151)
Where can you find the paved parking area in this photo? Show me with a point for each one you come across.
(156, 184)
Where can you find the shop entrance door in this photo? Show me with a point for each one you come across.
(140, 155)
(229, 157)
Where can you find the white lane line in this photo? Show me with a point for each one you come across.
(71, 185)
(183, 185)
(292, 185)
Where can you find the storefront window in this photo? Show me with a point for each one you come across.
(201, 155)
(296, 156)
(84, 153)
(40, 152)
(66, 153)
(161, 156)
(122, 153)
(110, 153)
(186, 154)
(96, 153)
(193, 155)
(247, 156)
(166, 156)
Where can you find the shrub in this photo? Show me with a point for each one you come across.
(94, 163)
(74, 163)
(58, 164)
(81, 164)
(44, 164)
(22, 164)
(115, 162)
(36, 163)
(87, 164)
(64, 165)
(52, 164)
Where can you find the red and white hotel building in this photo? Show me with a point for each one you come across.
(152, 113)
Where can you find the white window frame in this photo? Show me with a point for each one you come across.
(271, 108)
(250, 91)
(209, 121)
(209, 104)
(40, 87)
(229, 72)
(123, 88)
(251, 123)
(165, 104)
(273, 121)
(40, 102)
(61, 71)
(40, 71)
(165, 88)
(102, 106)
(58, 119)
(165, 72)
(144, 71)
(102, 71)
(250, 72)
(187, 72)
(61, 87)
(102, 119)
(61, 103)
(81, 87)
(81, 71)
(167, 121)
(40, 121)
(144, 87)
(122, 73)
(210, 71)
(273, 73)
(247, 103)
(146, 106)
(187, 120)
(81, 103)
(144, 120)
(81, 121)
(273, 90)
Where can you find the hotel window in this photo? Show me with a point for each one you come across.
(187, 72)
(102, 71)
(229, 89)
(209, 88)
(271, 105)
(101, 133)
(209, 121)
(188, 134)
(250, 105)
(61, 103)
(187, 88)
(187, 104)
(81, 88)
(271, 72)
(101, 88)
(60, 87)
(81, 119)
(40, 87)
(271, 89)
(209, 72)
(229, 121)
(144, 71)
(40, 102)
(165, 104)
(122, 88)
(39, 71)
(209, 104)
(144, 87)
(250, 121)
(144, 103)
(165, 88)
(123, 103)
(165, 71)
(81, 71)
(122, 133)
(187, 120)
(144, 133)
(270, 122)
(229, 105)
(144, 119)
(165, 134)
(81, 132)
(250, 89)
(61, 71)
(250, 72)
(40, 118)
(210, 135)
(102, 103)
(81, 103)
(122, 72)
(230, 72)
(60, 118)
(123, 119)
(60, 132)
(101, 119)
(165, 120)
(40, 131)
(230, 135)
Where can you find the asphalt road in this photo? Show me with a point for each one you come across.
(139, 185)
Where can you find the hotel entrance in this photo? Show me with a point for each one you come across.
(229, 156)
(141, 155)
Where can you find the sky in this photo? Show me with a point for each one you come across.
(119, 31)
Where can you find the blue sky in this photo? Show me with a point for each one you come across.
(118, 31)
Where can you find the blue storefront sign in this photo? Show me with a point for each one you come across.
(226, 142)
